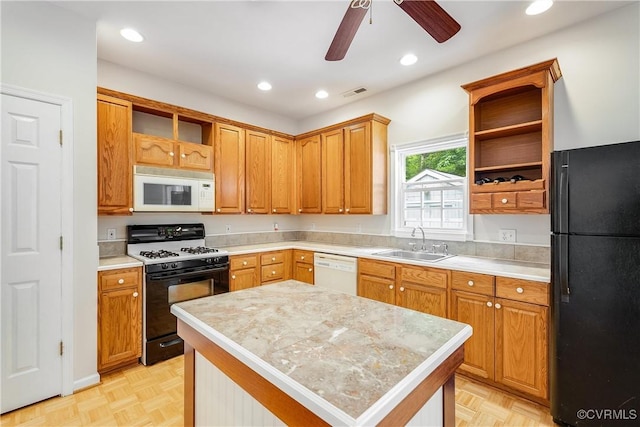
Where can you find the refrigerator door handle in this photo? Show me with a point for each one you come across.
(560, 212)
(561, 265)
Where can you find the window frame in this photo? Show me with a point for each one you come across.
(398, 154)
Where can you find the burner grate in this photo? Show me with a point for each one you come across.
(158, 254)
(199, 250)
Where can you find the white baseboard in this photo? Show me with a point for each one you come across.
(85, 382)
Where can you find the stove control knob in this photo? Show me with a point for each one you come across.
(174, 265)
(164, 266)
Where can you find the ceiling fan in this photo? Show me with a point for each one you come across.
(427, 13)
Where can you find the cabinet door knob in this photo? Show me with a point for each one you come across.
(470, 283)
(233, 276)
(302, 257)
(249, 210)
(273, 273)
(340, 210)
(498, 306)
(504, 201)
(489, 304)
(274, 210)
(184, 156)
(273, 258)
(171, 153)
(300, 210)
(130, 209)
(244, 262)
(311, 269)
(218, 210)
(401, 288)
(519, 290)
(121, 281)
(135, 294)
(347, 210)
(390, 286)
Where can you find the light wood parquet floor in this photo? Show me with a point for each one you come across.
(152, 396)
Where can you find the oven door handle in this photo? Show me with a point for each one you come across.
(170, 343)
(164, 275)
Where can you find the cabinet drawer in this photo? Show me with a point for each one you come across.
(481, 201)
(503, 200)
(242, 261)
(522, 290)
(116, 279)
(377, 268)
(530, 199)
(424, 276)
(272, 272)
(305, 256)
(272, 258)
(472, 282)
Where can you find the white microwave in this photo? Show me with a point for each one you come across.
(172, 190)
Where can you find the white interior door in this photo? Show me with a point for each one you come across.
(30, 202)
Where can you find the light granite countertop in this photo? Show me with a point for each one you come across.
(498, 267)
(349, 358)
(116, 262)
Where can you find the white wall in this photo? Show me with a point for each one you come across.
(596, 102)
(51, 50)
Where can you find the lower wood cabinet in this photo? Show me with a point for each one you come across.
(418, 288)
(243, 272)
(119, 317)
(509, 345)
(303, 266)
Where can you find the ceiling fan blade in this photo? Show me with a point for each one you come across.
(345, 34)
(433, 18)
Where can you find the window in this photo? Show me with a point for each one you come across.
(432, 187)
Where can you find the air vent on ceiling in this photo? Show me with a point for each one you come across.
(354, 92)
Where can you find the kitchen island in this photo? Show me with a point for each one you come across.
(291, 353)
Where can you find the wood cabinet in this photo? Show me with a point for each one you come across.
(229, 168)
(157, 151)
(418, 288)
(308, 170)
(275, 266)
(115, 184)
(342, 169)
(258, 172)
(119, 317)
(269, 170)
(303, 268)
(282, 175)
(243, 271)
(509, 346)
(511, 136)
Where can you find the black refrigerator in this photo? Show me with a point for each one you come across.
(595, 275)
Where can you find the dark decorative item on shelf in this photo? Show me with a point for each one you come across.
(517, 178)
(498, 180)
(484, 180)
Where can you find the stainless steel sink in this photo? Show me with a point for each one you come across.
(420, 256)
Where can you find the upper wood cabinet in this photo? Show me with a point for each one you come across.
(353, 172)
(115, 194)
(510, 140)
(229, 160)
(258, 172)
(309, 167)
(282, 175)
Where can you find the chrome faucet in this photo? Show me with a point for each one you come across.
(442, 246)
(424, 243)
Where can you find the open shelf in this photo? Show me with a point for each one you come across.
(506, 131)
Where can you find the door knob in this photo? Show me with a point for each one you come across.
(135, 294)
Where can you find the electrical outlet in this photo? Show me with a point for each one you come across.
(111, 234)
(227, 228)
(507, 235)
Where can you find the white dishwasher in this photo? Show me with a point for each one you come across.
(336, 272)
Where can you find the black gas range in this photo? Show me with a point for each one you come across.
(178, 267)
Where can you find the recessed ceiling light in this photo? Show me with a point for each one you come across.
(322, 94)
(264, 86)
(409, 59)
(131, 35)
(539, 6)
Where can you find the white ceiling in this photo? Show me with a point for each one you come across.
(227, 47)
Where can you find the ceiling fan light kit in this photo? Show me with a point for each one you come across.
(427, 13)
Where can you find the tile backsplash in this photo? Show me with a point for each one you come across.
(528, 253)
